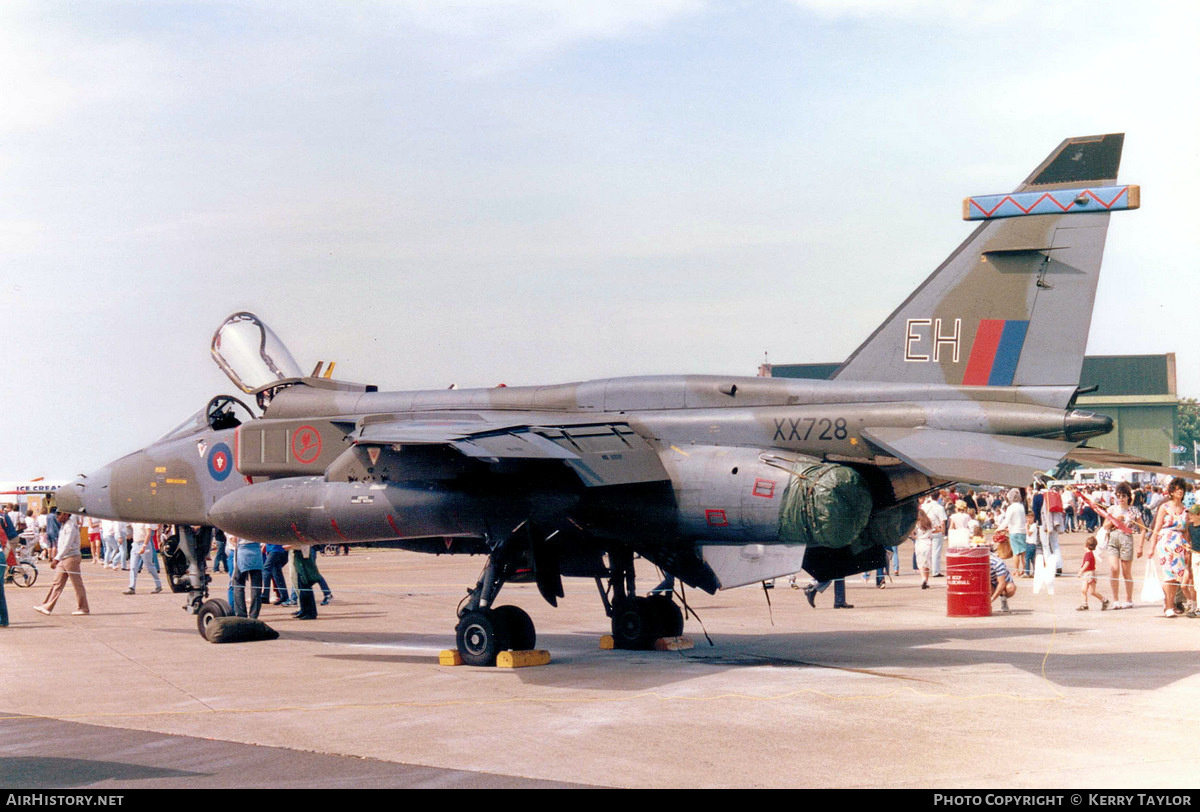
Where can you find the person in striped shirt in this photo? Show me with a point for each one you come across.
(1003, 585)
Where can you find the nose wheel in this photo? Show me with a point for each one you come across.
(210, 611)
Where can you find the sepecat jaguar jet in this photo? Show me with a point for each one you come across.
(719, 481)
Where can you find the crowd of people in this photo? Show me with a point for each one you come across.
(60, 540)
(1158, 524)
(1124, 522)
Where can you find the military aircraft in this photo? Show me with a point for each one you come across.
(719, 481)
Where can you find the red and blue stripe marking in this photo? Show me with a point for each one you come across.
(995, 353)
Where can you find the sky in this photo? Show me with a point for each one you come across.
(458, 191)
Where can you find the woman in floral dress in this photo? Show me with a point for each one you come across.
(1171, 548)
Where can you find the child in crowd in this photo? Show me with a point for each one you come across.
(1034, 539)
(976, 533)
(1087, 575)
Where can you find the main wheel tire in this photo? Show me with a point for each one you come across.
(210, 611)
(668, 615)
(521, 634)
(481, 635)
(635, 624)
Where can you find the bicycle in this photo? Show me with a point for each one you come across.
(24, 573)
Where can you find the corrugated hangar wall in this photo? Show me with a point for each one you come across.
(1137, 391)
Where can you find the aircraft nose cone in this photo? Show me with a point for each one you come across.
(70, 497)
(87, 495)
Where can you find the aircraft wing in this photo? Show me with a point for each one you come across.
(599, 453)
(1103, 456)
(499, 442)
(963, 456)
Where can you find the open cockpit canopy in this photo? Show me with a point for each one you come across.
(250, 353)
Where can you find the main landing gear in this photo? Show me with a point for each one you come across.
(636, 622)
(483, 631)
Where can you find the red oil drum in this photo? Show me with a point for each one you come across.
(968, 582)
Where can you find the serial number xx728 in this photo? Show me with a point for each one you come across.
(801, 428)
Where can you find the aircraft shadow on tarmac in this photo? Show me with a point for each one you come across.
(1045, 650)
(151, 760)
(291, 625)
(48, 772)
(578, 663)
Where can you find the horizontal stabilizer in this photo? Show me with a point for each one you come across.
(1061, 201)
(964, 456)
(1102, 456)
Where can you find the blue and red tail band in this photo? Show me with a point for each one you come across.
(995, 353)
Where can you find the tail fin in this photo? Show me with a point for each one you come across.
(1013, 304)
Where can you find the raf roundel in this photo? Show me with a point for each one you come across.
(220, 462)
